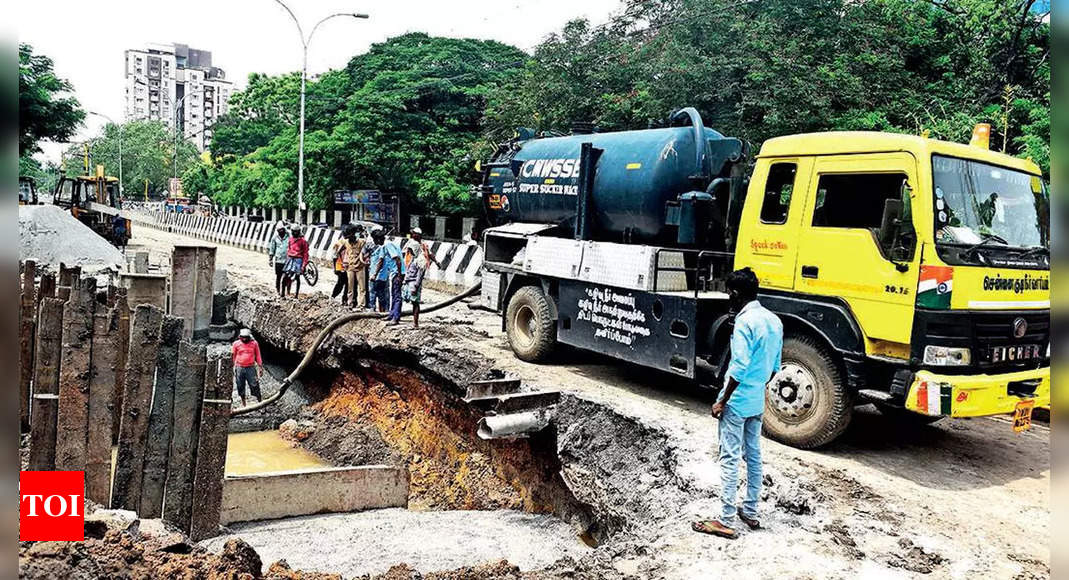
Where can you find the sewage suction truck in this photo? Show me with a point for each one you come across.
(909, 272)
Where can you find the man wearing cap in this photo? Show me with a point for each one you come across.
(418, 259)
(248, 365)
(276, 253)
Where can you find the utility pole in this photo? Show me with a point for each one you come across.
(304, 76)
(177, 108)
(108, 119)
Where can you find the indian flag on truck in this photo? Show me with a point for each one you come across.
(935, 287)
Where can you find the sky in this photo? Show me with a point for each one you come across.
(86, 40)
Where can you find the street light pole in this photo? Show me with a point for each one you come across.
(108, 119)
(177, 107)
(305, 41)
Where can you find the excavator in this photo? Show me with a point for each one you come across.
(94, 201)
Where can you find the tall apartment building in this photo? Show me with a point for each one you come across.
(165, 78)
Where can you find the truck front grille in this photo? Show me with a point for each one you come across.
(1000, 341)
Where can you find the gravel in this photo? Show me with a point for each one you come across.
(51, 235)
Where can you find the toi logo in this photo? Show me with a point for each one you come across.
(51, 505)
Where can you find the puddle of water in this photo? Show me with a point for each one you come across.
(265, 452)
(258, 452)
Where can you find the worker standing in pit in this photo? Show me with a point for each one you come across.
(756, 350)
(276, 253)
(248, 365)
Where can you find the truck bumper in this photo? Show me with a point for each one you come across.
(977, 395)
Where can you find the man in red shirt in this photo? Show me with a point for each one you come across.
(296, 260)
(247, 364)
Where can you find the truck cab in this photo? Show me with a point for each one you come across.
(912, 273)
(27, 191)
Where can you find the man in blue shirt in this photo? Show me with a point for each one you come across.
(387, 269)
(756, 347)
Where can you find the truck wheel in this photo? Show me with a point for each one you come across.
(529, 324)
(903, 415)
(807, 405)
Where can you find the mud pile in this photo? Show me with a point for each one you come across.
(118, 545)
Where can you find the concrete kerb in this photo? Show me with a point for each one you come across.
(311, 491)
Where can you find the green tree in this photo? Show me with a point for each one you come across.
(773, 67)
(147, 154)
(45, 110)
(406, 117)
(45, 175)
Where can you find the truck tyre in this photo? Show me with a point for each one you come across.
(806, 404)
(905, 416)
(529, 324)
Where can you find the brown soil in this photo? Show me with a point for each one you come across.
(431, 429)
(343, 442)
(122, 555)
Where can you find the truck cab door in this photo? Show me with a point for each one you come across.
(841, 251)
(771, 218)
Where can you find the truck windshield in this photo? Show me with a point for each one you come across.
(977, 202)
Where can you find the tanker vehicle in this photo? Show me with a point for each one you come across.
(909, 272)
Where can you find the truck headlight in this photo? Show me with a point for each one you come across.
(947, 356)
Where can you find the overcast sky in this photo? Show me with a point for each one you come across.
(87, 39)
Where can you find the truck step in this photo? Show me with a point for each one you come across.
(875, 396)
(515, 402)
(492, 388)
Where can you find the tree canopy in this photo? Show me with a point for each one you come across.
(764, 68)
(413, 114)
(405, 117)
(147, 154)
(46, 110)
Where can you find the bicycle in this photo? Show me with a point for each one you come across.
(311, 273)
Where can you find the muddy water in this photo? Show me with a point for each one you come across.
(265, 452)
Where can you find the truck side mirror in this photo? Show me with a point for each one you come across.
(896, 236)
(892, 216)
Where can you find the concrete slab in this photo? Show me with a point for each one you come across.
(192, 269)
(145, 289)
(313, 491)
(371, 542)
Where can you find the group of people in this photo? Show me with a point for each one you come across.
(372, 271)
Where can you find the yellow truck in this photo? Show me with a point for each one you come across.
(937, 256)
(909, 272)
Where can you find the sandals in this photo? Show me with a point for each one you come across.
(715, 528)
(753, 523)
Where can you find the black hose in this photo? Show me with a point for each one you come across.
(309, 355)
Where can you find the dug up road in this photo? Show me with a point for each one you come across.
(960, 498)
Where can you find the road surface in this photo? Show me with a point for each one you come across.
(962, 497)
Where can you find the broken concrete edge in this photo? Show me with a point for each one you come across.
(300, 492)
(359, 339)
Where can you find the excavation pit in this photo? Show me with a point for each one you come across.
(378, 435)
